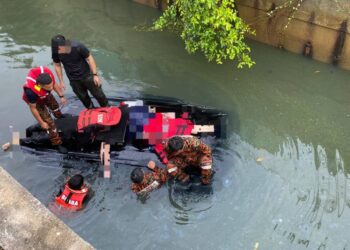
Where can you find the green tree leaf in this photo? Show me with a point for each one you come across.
(211, 26)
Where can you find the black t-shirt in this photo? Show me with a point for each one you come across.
(31, 96)
(75, 63)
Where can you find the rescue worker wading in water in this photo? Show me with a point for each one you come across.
(144, 183)
(40, 82)
(75, 194)
(185, 151)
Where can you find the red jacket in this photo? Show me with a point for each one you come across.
(72, 199)
(36, 88)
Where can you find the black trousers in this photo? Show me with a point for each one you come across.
(81, 88)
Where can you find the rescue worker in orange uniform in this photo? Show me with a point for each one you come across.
(74, 195)
(37, 89)
(185, 151)
(143, 183)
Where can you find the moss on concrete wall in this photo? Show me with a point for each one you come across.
(317, 28)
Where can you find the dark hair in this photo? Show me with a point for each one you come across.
(137, 175)
(175, 143)
(44, 79)
(76, 182)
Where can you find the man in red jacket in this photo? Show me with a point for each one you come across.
(40, 81)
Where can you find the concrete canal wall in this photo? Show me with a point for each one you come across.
(27, 224)
(318, 28)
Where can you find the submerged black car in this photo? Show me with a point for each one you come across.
(130, 126)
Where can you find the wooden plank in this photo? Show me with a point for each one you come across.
(202, 129)
(15, 138)
(107, 161)
(101, 152)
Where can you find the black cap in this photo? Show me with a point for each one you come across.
(76, 182)
(44, 79)
(58, 40)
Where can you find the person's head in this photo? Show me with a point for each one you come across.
(45, 81)
(76, 182)
(60, 45)
(137, 175)
(175, 143)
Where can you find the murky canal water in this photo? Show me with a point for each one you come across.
(292, 113)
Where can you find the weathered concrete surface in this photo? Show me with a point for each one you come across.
(319, 28)
(27, 224)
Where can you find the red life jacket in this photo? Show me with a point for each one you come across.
(159, 149)
(36, 88)
(162, 127)
(72, 199)
(107, 116)
(176, 126)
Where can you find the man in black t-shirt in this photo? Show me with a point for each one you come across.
(80, 68)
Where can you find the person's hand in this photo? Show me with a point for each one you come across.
(44, 125)
(62, 86)
(151, 165)
(63, 101)
(97, 81)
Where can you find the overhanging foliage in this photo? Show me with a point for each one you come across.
(210, 26)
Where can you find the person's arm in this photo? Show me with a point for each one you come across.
(196, 145)
(135, 188)
(172, 169)
(91, 61)
(206, 165)
(35, 112)
(160, 173)
(59, 92)
(154, 185)
(58, 69)
(176, 172)
(205, 149)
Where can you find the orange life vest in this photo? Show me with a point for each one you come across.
(36, 88)
(72, 199)
(107, 116)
